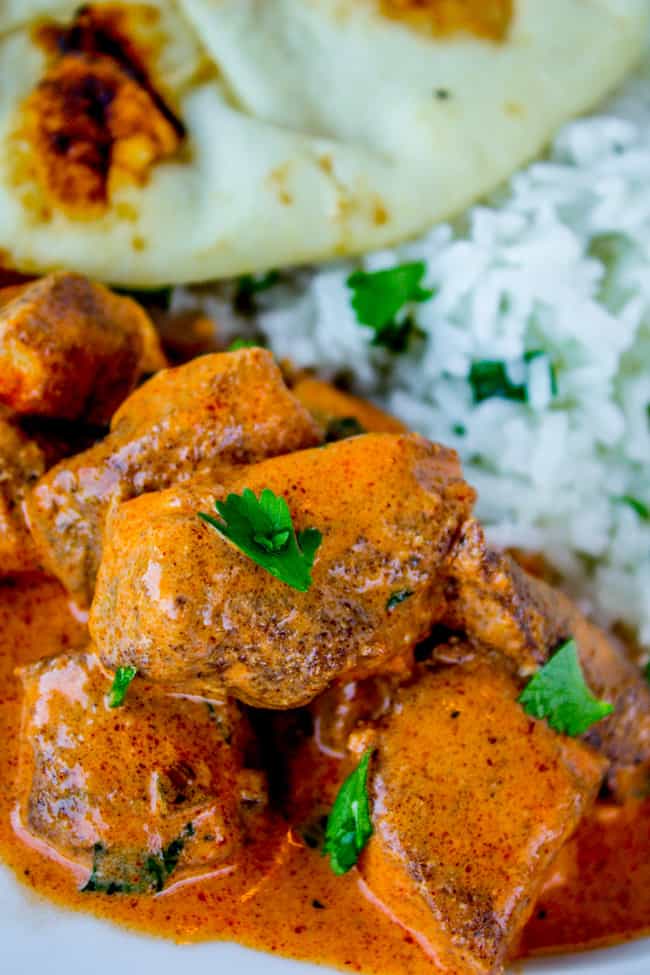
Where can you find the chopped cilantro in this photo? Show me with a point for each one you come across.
(150, 875)
(398, 597)
(241, 343)
(342, 427)
(263, 530)
(489, 379)
(378, 298)
(98, 884)
(251, 285)
(559, 693)
(349, 826)
(646, 672)
(641, 508)
(121, 684)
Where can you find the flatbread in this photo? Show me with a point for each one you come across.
(308, 129)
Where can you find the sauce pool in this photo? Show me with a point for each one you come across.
(283, 898)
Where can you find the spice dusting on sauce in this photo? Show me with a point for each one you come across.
(284, 898)
(96, 119)
(489, 19)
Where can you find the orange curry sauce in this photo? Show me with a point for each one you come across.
(284, 898)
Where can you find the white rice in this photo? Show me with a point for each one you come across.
(559, 262)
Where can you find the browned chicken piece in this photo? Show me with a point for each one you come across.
(471, 801)
(340, 414)
(138, 797)
(70, 348)
(219, 409)
(494, 601)
(180, 603)
(22, 462)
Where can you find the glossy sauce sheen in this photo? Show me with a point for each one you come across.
(284, 898)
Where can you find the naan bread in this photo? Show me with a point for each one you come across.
(260, 133)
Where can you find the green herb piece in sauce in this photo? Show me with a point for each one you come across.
(118, 873)
(641, 508)
(342, 427)
(559, 693)
(398, 597)
(646, 672)
(263, 530)
(98, 883)
(349, 826)
(121, 684)
(378, 298)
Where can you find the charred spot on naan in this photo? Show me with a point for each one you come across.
(95, 120)
(489, 19)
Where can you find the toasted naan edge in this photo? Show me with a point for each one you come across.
(323, 132)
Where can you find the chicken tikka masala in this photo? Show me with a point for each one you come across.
(263, 679)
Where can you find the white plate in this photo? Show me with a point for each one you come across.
(37, 938)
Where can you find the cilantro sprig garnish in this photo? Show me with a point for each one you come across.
(378, 298)
(349, 825)
(263, 530)
(559, 693)
(638, 506)
(121, 684)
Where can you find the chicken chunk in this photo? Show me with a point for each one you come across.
(70, 348)
(180, 603)
(494, 601)
(133, 798)
(219, 409)
(22, 462)
(471, 801)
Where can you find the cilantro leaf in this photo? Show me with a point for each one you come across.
(116, 873)
(558, 692)
(121, 684)
(240, 343)
(342, 427)
(263, 530)
(249, 286)
(489, 378)
(398, 597)
(646, 672)
(349, 825)
(641, 508)
(379, 296)
(253, 284)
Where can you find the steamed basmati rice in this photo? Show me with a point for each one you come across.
(559, 264)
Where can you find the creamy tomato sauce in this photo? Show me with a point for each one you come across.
(284, 898)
